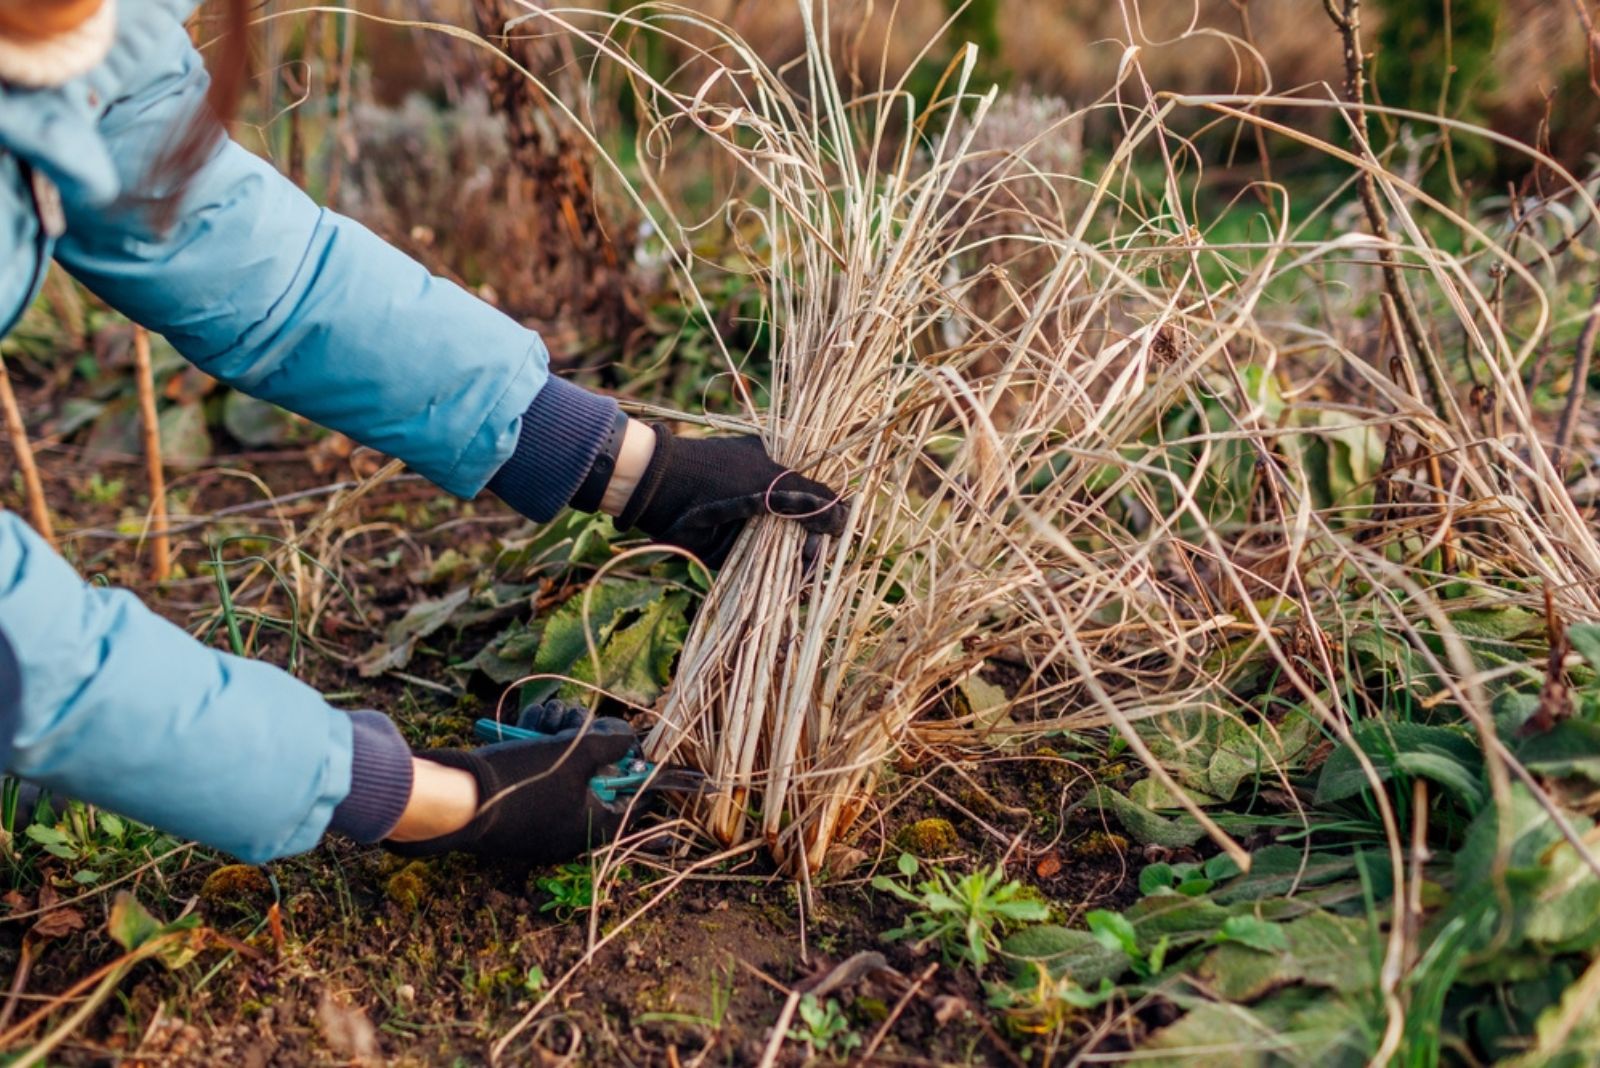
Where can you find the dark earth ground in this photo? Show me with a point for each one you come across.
(429, 964)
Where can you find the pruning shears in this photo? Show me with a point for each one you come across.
(620, 780)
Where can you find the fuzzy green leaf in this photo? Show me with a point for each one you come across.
(256, 423)
(1113, 931)
(402, 636)
(1255, 933)
(564, 644)
(1062, 952)
(1585, 639)
(636, 661)
(509, 655)
(1144, 825)
(1156, 878)
(1570, 748)
(185, 438)
(130, 924)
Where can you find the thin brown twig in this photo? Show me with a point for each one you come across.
(38, 507)
(1419, 857)
(1586, 20)
(1582, 361)
(1348, 23)
(160, 543)
(780, 1030)
(19, 980)
(894, 1014)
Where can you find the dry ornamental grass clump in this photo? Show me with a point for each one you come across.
(1072, 429)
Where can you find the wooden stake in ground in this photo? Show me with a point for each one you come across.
(162, 568)
(38, 510)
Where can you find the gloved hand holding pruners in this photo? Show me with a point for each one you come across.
(559, 784)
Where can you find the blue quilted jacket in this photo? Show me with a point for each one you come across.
(261, 288)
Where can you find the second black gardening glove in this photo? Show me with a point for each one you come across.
(698, 494)
(534, 801)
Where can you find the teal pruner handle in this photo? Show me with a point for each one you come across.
(613, 781)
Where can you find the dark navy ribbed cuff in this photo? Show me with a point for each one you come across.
(380, 779)
(562, 432)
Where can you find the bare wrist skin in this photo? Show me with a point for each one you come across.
(443, 800)
(638, 446)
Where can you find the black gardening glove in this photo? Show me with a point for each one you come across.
(698, 493)
(534, 801)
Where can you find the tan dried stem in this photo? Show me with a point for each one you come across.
(22, 448)
(144, 376)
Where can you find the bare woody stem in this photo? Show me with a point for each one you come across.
(1347, 18)
(1592, 38)
(38, 509)
(159, 543)
(1583, 361)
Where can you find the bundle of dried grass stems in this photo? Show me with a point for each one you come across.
(987, 354)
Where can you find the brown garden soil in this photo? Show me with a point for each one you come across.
(429, 963)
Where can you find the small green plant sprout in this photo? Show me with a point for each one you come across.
(824, 1028)
(101, 490)
(964, 915)
(571, 890)
(93, 842)
(1112, 930)
(1190, 880)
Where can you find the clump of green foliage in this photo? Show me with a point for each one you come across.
(571, 890)
(96, 845)
(964, 915)
(824, 1028)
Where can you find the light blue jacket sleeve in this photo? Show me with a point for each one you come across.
(297, 305)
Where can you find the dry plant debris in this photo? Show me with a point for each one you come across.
(1005, 426)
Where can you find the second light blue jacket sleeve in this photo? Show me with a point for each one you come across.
(122, 708)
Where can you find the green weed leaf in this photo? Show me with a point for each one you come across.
(402, 636)
(1435, 753)
(1255, 933)
(1585, 639)
(563, 646)
(1061, 952)
(133, 927)
(1157, 878)
(636, 660)
(1113, 931)
(130, 924)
